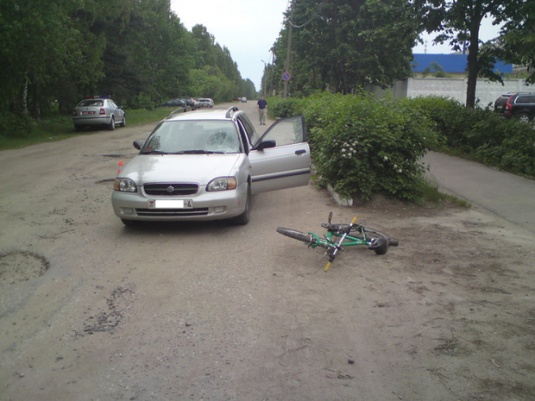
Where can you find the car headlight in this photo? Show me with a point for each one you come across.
(124, 185)
(222, 184)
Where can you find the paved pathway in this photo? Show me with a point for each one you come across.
(507, 195)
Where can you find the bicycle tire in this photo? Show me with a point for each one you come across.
(391, 241)
(298, 235)
(374, 233)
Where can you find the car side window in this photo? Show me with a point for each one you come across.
(244, 137)
(249, 130)
(287, 131)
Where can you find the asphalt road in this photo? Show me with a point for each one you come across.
(506, 195)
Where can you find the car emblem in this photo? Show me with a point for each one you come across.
(170, 189)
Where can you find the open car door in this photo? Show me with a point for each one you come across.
(281, 157)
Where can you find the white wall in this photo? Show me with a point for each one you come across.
(455, 88)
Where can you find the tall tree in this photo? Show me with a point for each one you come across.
(459, 24)
(517, 43)
(39, 43)
(348, 43)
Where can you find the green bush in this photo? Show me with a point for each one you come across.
(363, 146)
(282, 108)
(12, 126)
(481, 134)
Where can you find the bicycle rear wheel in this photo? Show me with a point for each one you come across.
(298, 235)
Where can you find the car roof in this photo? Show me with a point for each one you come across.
(214, 114)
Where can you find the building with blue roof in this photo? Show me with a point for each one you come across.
(451, 64)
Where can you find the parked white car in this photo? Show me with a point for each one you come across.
(98, 111)
(205, 102)
(206, 165)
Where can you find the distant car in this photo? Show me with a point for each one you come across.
(520, 105)
(98, 111)
(244, 99)
(205, 102)
(191, 102)
(174, 103)
(206, 166)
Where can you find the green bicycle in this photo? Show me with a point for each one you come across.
(340, 236)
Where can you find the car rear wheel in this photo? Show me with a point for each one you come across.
(111, 125)
(524, 117)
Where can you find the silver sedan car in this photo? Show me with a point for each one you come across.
(206, 165)
(98, 112)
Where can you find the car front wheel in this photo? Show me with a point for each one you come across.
(243, 218)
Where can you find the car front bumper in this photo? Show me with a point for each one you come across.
(205, 207)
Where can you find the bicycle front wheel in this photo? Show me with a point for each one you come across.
(298, 235)
(378, 240)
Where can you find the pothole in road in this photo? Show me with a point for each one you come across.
(21, 266)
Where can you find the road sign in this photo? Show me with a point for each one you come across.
(286, 76)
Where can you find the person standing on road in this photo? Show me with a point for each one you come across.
(262, 109)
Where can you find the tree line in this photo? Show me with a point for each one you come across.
(345, 45)
(56, 52)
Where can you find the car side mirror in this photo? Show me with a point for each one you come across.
(138, 144)
(270, 143)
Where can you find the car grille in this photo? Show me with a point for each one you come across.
(202, 211)
(170, 189)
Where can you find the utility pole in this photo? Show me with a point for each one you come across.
(265, 78)
(289, 48)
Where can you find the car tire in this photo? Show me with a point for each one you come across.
(523, 117)
(123, 124)
(243, 218)
(111, 125)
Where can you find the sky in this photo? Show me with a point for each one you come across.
(249, 28)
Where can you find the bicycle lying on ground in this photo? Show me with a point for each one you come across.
(340, 236)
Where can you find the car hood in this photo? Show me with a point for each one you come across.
(200, 169)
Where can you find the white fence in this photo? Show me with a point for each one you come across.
(455, 88)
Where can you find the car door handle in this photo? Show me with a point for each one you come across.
(300, 152)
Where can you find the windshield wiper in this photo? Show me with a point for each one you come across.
(153, 152)
(196, 152)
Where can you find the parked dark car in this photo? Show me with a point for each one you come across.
(178, 103)
(519, 105)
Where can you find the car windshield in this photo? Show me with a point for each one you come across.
(193, 137)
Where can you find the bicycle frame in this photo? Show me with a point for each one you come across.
(340, 236)
(332, 238)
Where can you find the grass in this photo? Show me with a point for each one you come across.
(58, 127)
(431, 194)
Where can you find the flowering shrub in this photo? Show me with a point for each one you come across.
(363, 146)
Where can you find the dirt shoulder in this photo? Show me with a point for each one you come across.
(92, 310)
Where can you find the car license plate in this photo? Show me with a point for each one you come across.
(170, 204)
(85, 113)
